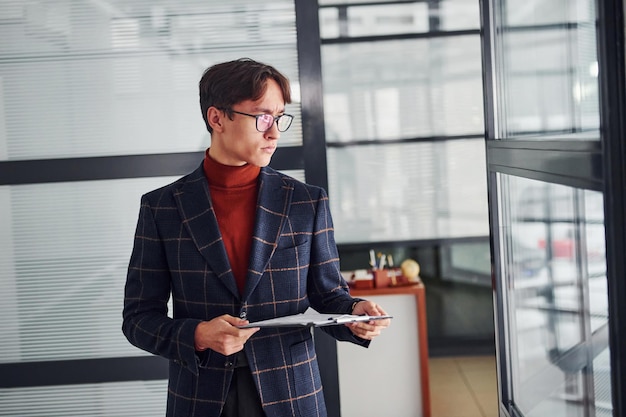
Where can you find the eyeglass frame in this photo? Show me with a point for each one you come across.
(257, 116)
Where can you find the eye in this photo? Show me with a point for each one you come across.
(266, 118)
(264, 122)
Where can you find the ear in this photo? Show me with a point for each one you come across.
(215, 118)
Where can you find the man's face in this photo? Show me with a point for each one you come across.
(239, 142)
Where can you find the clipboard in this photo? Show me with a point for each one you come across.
(313, 320)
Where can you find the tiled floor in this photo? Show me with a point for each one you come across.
(463, 386)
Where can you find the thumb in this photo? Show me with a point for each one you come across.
(234, 321)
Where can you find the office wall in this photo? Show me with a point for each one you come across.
(99, 104)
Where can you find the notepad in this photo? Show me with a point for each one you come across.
(313, 320)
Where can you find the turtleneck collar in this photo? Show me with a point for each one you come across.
(227, 176)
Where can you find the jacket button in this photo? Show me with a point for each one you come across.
(228, 364)
(243, 315)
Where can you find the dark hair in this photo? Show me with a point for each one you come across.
(226, 84)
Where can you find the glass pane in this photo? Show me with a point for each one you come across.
(295, 173)
(128, 399)
(555, 268)
(598, 302)
(458, 14)
(119, 77)
(409, 191)
(388, 19)
(519, 13)
(547, 72)
(332, 2)
(64, 252)
(468, 262)
(330, 26)
(396, 18)
(414, 88)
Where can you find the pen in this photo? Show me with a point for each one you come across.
(372, 259)
(382, 262)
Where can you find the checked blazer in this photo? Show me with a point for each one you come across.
(178, 252)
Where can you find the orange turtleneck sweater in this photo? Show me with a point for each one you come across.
(234, 192)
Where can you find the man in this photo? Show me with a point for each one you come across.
(237, 242)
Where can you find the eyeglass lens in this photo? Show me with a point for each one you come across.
(264, 122)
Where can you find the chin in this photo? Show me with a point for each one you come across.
(262, 162)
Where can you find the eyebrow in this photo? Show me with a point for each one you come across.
(267, 111)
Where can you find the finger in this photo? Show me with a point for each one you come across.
(234, 321)
(366, 335)
(378, 311)
(381, 310)
(245, 334)
(369, 325)
(363, 329)
(381, 323)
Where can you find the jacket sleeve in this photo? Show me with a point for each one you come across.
(145, 320)
(327, 289)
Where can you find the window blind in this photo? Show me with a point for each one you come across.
(100, 78)
(64, 256)
(128, 399)
(91, 78)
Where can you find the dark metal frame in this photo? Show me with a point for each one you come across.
(122, 166)
(593, 165)
(611, 60)
(422, 139)
(315, 167)
(572, 163)
(82, 371)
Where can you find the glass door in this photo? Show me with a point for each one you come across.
(554, 281)
(551, 204)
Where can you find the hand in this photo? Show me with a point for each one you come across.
(368, 329)
(221, 335)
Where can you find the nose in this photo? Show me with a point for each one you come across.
(272, 132)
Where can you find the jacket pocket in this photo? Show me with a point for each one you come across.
(203, 358)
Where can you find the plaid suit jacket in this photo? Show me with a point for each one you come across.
(178, 252)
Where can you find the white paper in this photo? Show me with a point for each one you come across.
(312, 320)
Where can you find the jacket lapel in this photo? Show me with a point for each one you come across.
(198, 216)
(272, 210)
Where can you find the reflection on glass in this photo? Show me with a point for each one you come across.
(128, 398)
(353, 19)
(63, 258)
(548, 69)
(369, 20)
(555, 268)
(91, 78)
(458, 14)
(398, 95)
(395, 192)
(466, 262)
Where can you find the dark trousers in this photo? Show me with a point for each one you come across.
(243, 399)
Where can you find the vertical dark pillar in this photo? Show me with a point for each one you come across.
(310, 64)
(315, 167)
(613, 105)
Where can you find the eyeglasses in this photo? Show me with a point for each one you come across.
(264, 121)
